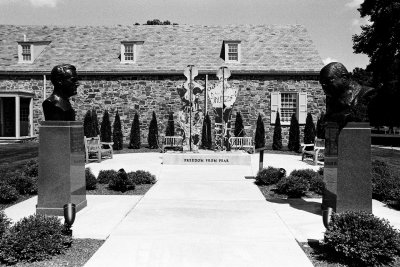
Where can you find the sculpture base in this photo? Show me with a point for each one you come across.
(347, 174)
(61, 167)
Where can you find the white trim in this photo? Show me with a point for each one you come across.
(123, 60)
(17, 117)
(21, 57)
(276, 105)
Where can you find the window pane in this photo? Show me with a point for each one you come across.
(232, 56)
(129, 52)
(288, 106)
(26, 52)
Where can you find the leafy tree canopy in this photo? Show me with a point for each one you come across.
(157, 22)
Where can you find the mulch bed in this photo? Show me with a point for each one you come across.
(102, 189)
(77, 255)
(269, 192)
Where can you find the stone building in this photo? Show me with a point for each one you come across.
(139, 68)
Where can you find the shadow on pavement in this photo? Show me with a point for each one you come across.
(300, 204)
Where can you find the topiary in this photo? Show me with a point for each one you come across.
(270, 176)
(8, 193)
(206, 139)
(142, 177)
(134, 140)
(307, 174)
(105, 176)
(91, 182)
(309, 130)
(321, 126)
(34, 238)
(88, 129)
(239, 128)
(4, 223)
(170, 130)
(95, 122)
(317, 184)
(362, 239)
(117, 133)
(105, 128)
(277, 137)
(152, 138)
(294, 134)
(259, 139)
(31, 168)
(292, 186)
(121, 182)
(23, 183)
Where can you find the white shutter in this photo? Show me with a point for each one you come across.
(302, 107)
(275, 105)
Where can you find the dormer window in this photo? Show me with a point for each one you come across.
(232, 51)
(29, 51)
(130, 51)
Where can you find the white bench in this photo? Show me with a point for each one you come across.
(317, 151)
(96, 150)
(172, 142)
(243, 143)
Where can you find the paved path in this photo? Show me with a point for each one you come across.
(201, 216)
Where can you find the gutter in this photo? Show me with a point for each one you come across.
(169, 72)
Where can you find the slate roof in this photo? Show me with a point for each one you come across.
(166, 49)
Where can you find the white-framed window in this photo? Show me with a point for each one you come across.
(232, 51)
(129, 51)
(25, 53)
(287, 103)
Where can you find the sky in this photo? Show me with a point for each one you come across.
(330, 23)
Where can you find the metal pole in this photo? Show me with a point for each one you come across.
(223, 101)
(190, 111)
(205, 96)
(261, 162)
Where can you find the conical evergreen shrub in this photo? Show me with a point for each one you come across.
(88, 124)
(321, 126)
(170, 130)
(239, 128)
(294, 134)
(277, 138)
(208, 132)
(117, 133)
(260, 133)
(105, 128)
(134, 140)
(204, 144)
(309, 130)
(152, 138)
(95, 122)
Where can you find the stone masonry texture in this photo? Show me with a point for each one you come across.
(144, 94)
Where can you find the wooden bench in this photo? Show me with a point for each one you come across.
(242, 143)
(317, 151)
(96, 150)
(172, 142)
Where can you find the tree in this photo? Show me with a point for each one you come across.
(239, 128)
(380, 41)
(294, 134)
(152, 138)
(88, 125)
(208, 132)
(134, 139)
(117, 133)
(362, 77)
(170, 130)
(159, 22)
(309, 130)
(95, 122)
(105, 128)
(321, 126)
(277, 138)
(260, 133)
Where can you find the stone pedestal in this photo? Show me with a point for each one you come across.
(61, 167)
(347, 170)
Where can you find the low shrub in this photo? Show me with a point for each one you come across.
(362, 239)
(121, 182)
(142, 177)
(317, 184)
(307, 174)
(8, 193)
(33, 238)
(292, 186)
(385, 185)
(105, 176)
(91, 182)
(31, 168)
(270, 176)
(4, 223)
(321, 171)
(23, 183)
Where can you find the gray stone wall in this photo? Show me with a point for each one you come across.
(145, 94)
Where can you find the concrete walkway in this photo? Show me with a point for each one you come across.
(201, 216)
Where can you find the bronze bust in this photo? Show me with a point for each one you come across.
(346, 100)
(65, 81)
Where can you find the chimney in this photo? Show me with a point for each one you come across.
(24, 37)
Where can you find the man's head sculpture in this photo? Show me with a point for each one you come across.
(344, 98)
(65, 81)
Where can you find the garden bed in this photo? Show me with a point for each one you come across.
(102, 189)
